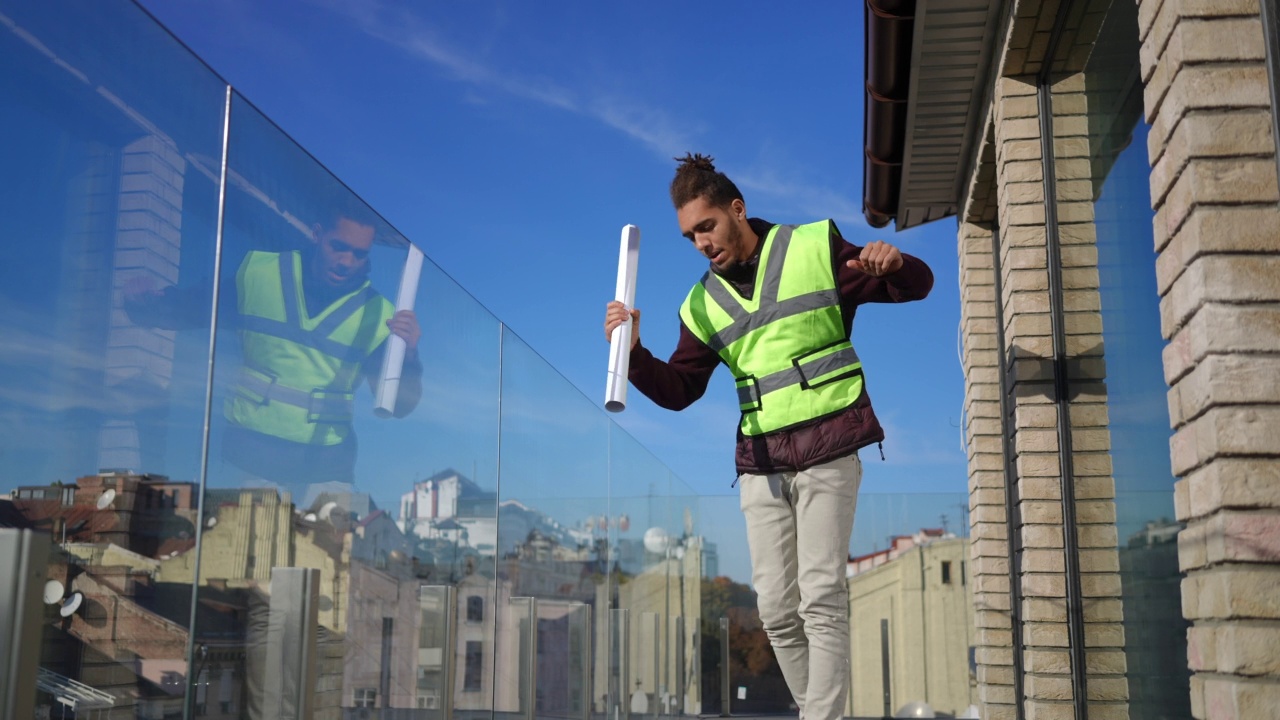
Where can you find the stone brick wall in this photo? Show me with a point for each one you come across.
(989, 549)
(1217, 231)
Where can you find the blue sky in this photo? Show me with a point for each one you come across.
(511, 141)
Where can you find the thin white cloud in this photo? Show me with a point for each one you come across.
(650, 126)
(654, 128)
(808, 199)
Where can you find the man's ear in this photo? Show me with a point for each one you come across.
(316, 230)
(739, 208)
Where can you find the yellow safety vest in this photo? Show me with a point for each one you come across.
(299, 374)
(791, 359)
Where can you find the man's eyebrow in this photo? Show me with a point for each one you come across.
(701, 225)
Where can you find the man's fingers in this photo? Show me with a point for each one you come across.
(877, 258)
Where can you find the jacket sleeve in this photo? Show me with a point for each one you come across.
(680, 381)
(912, 281)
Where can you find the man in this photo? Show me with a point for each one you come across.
(777, 308)
(310, 327)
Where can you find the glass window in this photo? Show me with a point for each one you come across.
(1120, 422)
(475, 608)
(365, 698)
(473, 671)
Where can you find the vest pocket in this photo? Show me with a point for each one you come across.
(828, 364)
(748, 388)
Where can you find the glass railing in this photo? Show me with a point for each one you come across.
(911, 621)
(286, 467)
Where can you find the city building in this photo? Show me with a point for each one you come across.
(1112, 168)
(911, 609)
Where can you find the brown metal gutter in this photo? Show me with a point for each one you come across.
(889, 27)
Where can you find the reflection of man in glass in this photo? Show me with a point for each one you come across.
(311, 326)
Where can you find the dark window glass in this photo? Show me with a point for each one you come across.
(473, 674)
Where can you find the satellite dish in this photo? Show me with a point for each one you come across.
(327, 509)
(104, 501)
(211, 522)
(53, 591)
(309, 517)
(915, 709)
(71, 604)
(656, 540)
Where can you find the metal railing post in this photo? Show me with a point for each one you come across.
(288, 690)
(447, 596)
(587, 664)
(725, 695)
(529, 656)
(884, 666)
(620, 644)
(26, 556)
(680, 666)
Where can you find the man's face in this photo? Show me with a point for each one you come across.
(716, 232)
(342, 253)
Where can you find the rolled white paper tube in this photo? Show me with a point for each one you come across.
(615, 393)
(393, 359)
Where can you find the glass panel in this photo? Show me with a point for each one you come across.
(1120, 424)
(908, 573)
(355, 433)
(113, 139)
(552, 520)
(645, 549)
(907, 567)
(688, 548)
(755, 683)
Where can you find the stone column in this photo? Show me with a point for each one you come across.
(1029, 350)
(1217, 232)
(989, 547)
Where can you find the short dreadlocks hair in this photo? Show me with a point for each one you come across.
(696, 177)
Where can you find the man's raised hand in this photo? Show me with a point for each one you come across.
(878, 258)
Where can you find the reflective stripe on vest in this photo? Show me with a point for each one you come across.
(299, 374)
(791, 359)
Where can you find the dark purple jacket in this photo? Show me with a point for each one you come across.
(678, 382)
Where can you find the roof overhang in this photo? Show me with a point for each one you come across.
(928, 82)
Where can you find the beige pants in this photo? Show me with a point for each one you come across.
(798, 528)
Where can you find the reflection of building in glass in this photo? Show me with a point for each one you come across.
(919, 586)
(148, 244)
(710, 560)
(1154, 631)
(663, 664)
(451, 510)
(112, 623)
